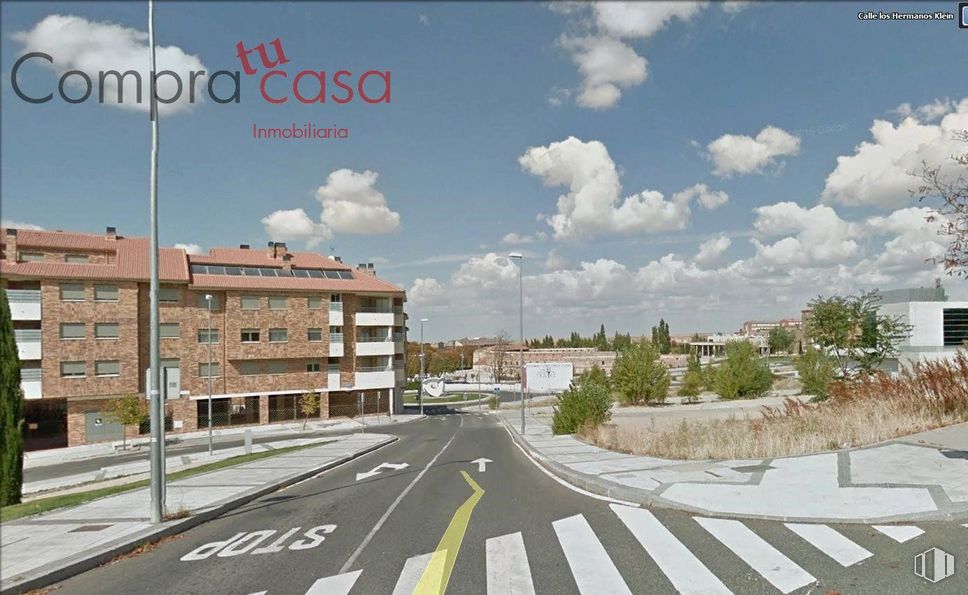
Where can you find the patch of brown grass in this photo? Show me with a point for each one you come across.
(860, 412)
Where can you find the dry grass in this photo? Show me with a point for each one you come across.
(861, 412)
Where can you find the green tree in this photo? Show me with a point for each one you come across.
(742, 373)
(692, 380)
(597, 375)
(588, 403)
(639, 377)
(11, 411)
(817, 371)
(129, 410)
(850, 329)
(309, 404)
(780, 339)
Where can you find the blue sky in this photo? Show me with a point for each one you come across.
(474, 87)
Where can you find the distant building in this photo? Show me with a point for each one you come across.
(715, 345)
(581, 358)
(938, 327)
(754, 327)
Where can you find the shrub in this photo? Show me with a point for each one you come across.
(691, 385)
(742, 373)
(817, 371)
(596, 374)
(639, 376)
(493, 403)
(587, 404)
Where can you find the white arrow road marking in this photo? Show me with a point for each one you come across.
(900, 533)
(481, 462)
(376, 470)
(334, 585)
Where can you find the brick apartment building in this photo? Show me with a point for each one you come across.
(282, 324)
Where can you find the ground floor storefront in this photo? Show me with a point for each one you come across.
(56, 423)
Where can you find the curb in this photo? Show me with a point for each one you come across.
(609, 489)
(72, 566)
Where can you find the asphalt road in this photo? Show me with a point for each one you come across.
(503, 529)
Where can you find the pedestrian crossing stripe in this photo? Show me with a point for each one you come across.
(826, 539)
(508, 569)
(900, 533)
(782, 572)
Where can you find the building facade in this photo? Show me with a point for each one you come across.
(256, 328)
(939, 328)
(581, 358)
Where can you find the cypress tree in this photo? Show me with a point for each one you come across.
(11, 410)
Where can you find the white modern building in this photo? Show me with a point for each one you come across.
(938, 327)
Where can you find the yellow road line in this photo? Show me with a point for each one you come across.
(435, 577)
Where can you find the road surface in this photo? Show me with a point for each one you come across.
(427, 515)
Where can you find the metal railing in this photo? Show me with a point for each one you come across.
(336, 305)
(27, 335)
(375, 309)
(383, 368)
(333, 369)
(23, 296)
(336, 337)
(31, 374)
(372, 339)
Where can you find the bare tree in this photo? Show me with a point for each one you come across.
(937, 185)
(500, 351)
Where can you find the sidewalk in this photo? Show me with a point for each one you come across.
(54, 456)
(921, 477)
(46, 548)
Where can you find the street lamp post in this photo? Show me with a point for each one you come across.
(420, 394)
(208, 298)
(520, 258)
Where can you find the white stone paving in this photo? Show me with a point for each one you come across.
(922, 466)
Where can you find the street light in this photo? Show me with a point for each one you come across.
(208, 298)
(420, 394)
(520, 258)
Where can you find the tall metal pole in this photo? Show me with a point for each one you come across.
(157, 405)
(208, 298)
(520, 259)
(420, 394)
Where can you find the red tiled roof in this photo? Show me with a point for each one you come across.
(35, 238)
(362, 282)
(256, 258)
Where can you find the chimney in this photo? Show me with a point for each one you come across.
(11, 242)
(279, 249)
(338, 258)
(271, 250)
(287, 262)
(111, 233)
(244, 246)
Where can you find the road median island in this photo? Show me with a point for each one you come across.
(64, 551)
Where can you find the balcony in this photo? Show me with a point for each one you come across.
(375, 316)
(28, 344)
(333, 378)
(374, 345)
(336, 345)
(24, 304)
(30, 383)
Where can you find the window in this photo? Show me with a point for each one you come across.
(315, 334)
(208, 336)
(333, 365)
(73, 370)
(169, 295)
(335, 334)
(199, 269)
(278, 335)
(335, 298)
(955, 326)
(206, 370)
(107, 368)
(76, 258)
(169, 330)
(30, 256)
(250, 335)
(314, 303)
(105, 293)
(277, 302)
(250, 368)
(276, 367)
(250, 302)
(251, 272)
(72, 292)
(313, 366)
(203, 303)
(106, 330)
(72, 330)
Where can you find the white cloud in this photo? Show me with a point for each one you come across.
(191, 248)
(294, 225)
(593, 204)
(711, 251)
(820, 237)
(76, 43)
(607, 66)
(557, 96)
(736, 6)
(741, 154)
(641, 19)
(879, 171)
(515, 239)
(424, 20)
(927, 112)
(555, 261)
(915, 239)
(8, 223)
(425, 290)
(352, 204)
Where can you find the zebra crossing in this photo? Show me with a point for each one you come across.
(508, 570)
